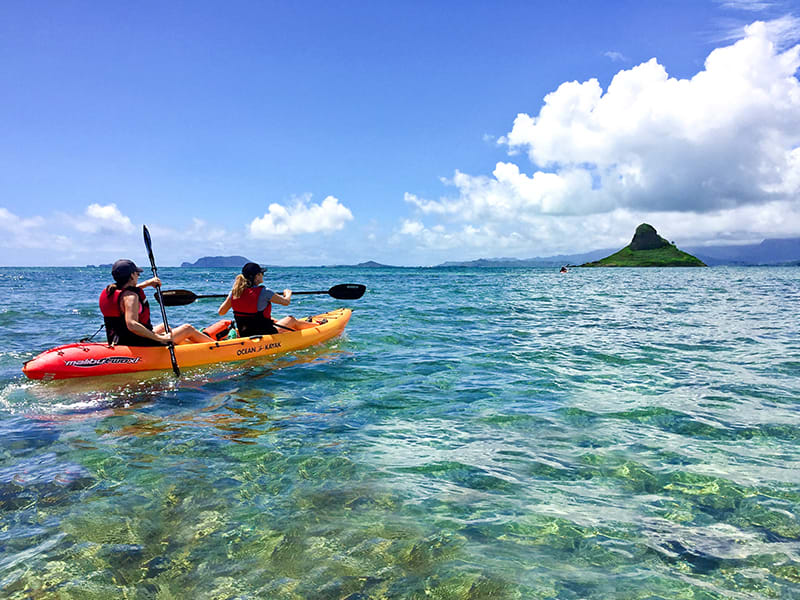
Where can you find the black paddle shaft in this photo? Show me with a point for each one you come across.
(343, 291)
(149, 245)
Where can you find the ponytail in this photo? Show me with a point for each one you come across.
(111, 288)
(240, 285)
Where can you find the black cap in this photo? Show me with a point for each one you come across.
(250, 270)
(123, 269)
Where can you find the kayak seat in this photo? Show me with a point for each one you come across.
(219, 330)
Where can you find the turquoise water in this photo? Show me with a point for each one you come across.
(516, 433)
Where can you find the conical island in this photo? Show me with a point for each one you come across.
(648, 249)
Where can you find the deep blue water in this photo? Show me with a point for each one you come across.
(628, 433)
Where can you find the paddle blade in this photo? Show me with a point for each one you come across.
(148, 244)
(347, 291)
(147, 241)
(176, 297)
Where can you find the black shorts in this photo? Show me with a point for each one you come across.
(135, 340)
(140, 341)
(261, 329)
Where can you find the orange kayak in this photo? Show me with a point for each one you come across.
(93, 359)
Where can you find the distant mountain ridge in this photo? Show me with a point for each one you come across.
(539, 261)
(218, 261)
(770, 252)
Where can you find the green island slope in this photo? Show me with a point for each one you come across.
(648, 249)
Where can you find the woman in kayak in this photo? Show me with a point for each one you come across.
(252, 305)
(126, 312)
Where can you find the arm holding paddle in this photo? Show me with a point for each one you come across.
(131, 309)
(130, 306)
(176, 335)
(284, 299)
(126, 312)
(152, 282)
(223, 308)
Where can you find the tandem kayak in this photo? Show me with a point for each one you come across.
(93, 359)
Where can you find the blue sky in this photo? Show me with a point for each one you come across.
(409, 133)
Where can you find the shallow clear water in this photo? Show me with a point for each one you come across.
(516, 433)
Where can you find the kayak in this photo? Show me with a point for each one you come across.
(93, 359)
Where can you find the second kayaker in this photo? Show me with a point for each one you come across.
(252, 305)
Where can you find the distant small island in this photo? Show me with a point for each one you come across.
(215, 262)
(218, 261)
(371, 264)
(648, 249)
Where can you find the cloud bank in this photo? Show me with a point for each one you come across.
(725, 143)
(102, 233)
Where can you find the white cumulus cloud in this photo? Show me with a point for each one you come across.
(723, 138)
(98, 217)
(726, 139)
(301, 217)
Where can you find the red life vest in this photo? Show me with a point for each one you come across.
(249, 320)
(117, 330)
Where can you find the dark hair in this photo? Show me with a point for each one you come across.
(123, 269)
(251, 269)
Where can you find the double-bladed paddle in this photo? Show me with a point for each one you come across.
(343, 291)
(149, 245)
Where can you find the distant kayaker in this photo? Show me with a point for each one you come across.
(563, 270)
(252, 304)
(126, 312)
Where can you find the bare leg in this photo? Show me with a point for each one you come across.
(293, 324)
(185, 334)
